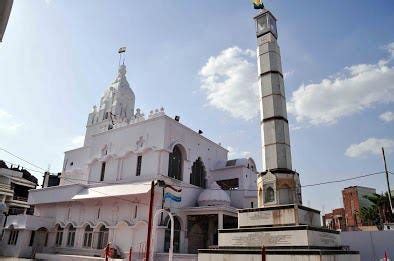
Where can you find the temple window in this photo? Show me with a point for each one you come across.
(71, 236)
(102, 174)
(102, 237)
(269, 195)
(228, 184)
(87, 237)
(198, 174)
(175, 164)
(139, 165)
(59, 236)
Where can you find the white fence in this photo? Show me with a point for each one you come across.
(371, 245)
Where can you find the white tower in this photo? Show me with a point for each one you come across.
(116, 105)
(278, 184)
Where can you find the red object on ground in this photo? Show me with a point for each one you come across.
(131, 254)
(263, 254)
(106, 254)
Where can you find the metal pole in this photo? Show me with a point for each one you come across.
(152, 194)
(387, 179)
(263, 254)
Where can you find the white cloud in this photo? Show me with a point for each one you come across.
(8, 124)
(234, 153)
(355, 89)
(288, 74)
(390, 48)
(370, 146)
(78, 141)
(230, 82)
(387, 116)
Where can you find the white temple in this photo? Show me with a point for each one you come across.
(105, 189)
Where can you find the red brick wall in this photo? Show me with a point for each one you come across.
(352, 207)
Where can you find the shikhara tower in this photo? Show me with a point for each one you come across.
(278, 184)
(116, 106)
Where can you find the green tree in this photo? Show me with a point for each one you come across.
(369, 215)
(379, 212)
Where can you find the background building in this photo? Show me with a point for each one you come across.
(15, 184)
(335, 220)
(353, 201)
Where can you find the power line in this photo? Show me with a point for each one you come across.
(186, 186)
(21, 158)
(23, 167)
(342, 180)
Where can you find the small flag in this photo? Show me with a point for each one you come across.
(122, 50)
(258, 4)
(172, 193)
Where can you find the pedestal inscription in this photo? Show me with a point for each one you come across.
(267, 217)
(291, 237)
(258, 239)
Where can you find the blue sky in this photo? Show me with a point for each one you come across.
(196, 59)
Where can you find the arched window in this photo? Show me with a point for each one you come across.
(59, 235)
(269, 195)
(198, 174)
(175, 164)
(102, 239)
(177, 234)
(87, 237)
(71, 236)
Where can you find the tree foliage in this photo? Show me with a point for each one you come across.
(379, 212)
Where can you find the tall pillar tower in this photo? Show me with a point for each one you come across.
(284, 228)
(278, 184)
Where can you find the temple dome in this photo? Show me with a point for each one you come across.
(214, 195)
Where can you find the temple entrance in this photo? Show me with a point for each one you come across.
(203, 230)
(197, 239)
(39, 239)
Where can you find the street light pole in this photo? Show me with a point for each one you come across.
(387, 180)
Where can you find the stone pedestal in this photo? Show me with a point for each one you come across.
(288, 232)
(291, 214)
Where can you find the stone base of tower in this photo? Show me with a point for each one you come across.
(272, 254)
(287, 232)
(291, 214)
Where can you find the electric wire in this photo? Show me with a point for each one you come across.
(185, 186)
(21, 158)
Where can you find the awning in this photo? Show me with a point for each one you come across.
(113, 191)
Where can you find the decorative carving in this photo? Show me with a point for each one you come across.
(140, 142)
